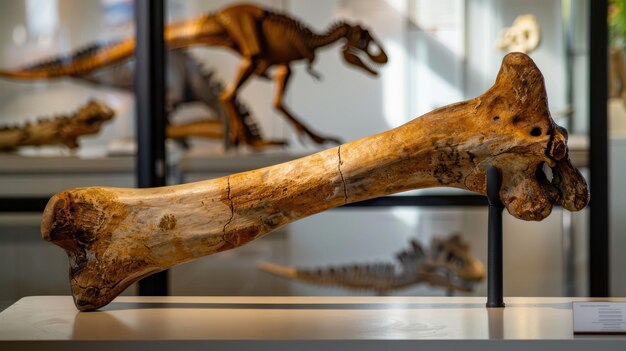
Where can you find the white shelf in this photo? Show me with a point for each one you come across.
(298, 323)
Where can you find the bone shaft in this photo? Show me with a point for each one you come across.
(219, 214)
(136, 232)
(387, 163)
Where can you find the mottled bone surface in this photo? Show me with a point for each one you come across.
(116, 236)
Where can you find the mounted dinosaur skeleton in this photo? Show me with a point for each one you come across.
(188, 81)
(61, 130)
(263, 39)
(448, 264)
(115, 236)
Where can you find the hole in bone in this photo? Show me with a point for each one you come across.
(496, 118)
(544, 172)
(536, 131)
(547, 170)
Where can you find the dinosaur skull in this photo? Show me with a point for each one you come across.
(358, 50)
(90, 119)
(453, 257)
(519, 137)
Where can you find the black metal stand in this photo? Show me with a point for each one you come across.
(150, 105)
(599, 211)
(494, 260)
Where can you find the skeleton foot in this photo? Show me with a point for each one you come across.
(262, 143)
(314, 73)
(323, 140)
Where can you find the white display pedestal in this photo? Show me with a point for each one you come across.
(297, 323)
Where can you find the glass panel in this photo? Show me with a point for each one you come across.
(440, 52)
(34, 32)
(617, 143)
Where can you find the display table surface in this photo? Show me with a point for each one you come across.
(297, 323)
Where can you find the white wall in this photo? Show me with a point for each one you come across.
(617, 203)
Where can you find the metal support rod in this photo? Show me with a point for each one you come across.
(150, 106)
(494, 256)
(599, 283)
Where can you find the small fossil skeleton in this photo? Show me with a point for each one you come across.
(61, 130)
(188, 81)
(448, 264)
(523, 36)
(263, 38)
(116, 236)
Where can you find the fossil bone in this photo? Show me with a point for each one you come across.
(116, 236)
(448, 264)
(61, 130)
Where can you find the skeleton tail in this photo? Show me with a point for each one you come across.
(94, 57)
(380, 277)
(81, 62)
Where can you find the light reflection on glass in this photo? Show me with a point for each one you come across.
(42, 19)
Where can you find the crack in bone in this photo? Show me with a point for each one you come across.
(232, 213)
(343, 180)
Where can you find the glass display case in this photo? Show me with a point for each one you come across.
(438, 53)
(34, 32)
(616, 142)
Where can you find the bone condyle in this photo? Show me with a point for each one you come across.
(116, 236)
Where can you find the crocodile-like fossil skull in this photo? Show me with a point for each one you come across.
(452, 256)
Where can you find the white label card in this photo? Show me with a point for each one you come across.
(597, 317)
